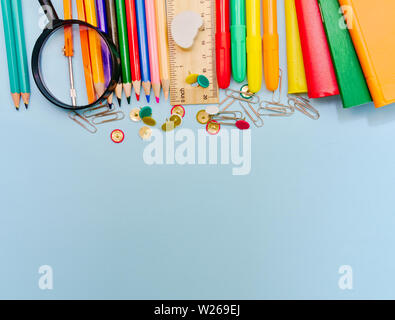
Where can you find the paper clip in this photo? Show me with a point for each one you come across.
(96, 111)
(108, 117)
(303, 105)
(236, 94)
(227, 115)
(224, 101)
(258, 121)
(277, 110)
(83, 122)
(277, 101)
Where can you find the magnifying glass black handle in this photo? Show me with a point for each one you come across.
(49, 10)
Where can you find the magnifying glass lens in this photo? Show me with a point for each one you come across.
(76, 66)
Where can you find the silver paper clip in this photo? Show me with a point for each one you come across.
(96, 111)
(303, 105)
(275, 110)
(224, 101)
(236, 95)
(83, 122)
(257, 120)
(108, 117)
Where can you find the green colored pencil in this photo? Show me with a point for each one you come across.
(124, 47)
(20, 45)
(11, 52)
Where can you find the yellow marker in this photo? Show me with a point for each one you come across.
(254, 45)
(271, 62)
(296, 74)
(95, 48)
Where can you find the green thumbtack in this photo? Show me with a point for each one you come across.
(145, 112)
(203, 81)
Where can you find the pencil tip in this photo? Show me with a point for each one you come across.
(17, 108)
(128, 99)
(110, 106)
(26, 106)
(148, 98)
(157, 100)
(119, 102)
(137, 97)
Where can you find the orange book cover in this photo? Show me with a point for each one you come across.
(372, 28)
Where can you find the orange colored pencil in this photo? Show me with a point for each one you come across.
(86, 59)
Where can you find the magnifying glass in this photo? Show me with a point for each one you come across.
(75, 65)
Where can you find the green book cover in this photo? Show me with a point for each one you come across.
(352, 85)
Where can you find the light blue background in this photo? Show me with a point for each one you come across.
(320, 195)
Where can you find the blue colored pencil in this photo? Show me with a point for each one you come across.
(143, 48)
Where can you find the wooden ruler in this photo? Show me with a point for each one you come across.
(199, 59)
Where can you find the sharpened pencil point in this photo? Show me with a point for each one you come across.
(128, 99)
(119, 102)
(157, 99)
(110, 106)
(137, 97)
(148, 99)
(17, 109)
(26, 106)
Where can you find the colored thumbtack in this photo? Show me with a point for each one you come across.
(149, 121)
(203, 81)
(176, 119)
(135, 115)
(178, 110)
(117, 136)
(245, 92)
(145, 112)
(145, 133)
(202, 117)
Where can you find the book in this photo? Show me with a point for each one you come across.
(320, 74)
(372, 29)
(350, 78)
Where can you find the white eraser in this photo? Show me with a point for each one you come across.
(185, 27)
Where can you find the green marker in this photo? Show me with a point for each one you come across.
(238, 39)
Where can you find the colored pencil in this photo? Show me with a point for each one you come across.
(153, 47)
(21, 54)
(133, 46)
(102, 25)
(164, 63)
(143, 48)
(124, 47)
(95, 48)
(86, 58)
(113, 32)
(11, 52)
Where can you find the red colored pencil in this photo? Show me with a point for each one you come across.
(133, 46)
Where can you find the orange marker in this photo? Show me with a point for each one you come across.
(271, 63)
(86, 59)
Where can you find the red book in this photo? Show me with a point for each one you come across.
(320, 74)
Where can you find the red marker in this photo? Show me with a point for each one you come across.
(222, 43)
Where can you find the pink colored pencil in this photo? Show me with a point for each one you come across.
(153, 47)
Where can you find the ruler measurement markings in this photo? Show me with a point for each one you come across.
(181, 60)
